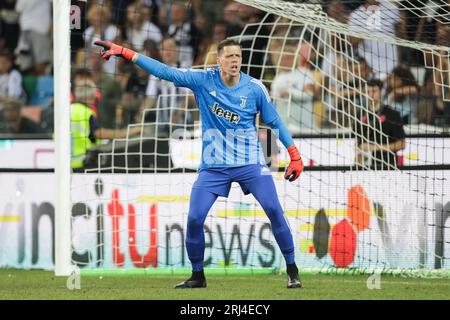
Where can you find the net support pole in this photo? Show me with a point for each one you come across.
(61, 61)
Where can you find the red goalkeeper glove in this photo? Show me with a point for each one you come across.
(110, 49)
(295, 166)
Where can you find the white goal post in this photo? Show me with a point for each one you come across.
(61, 60)
(320, 207)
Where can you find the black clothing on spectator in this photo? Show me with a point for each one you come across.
(381, 130)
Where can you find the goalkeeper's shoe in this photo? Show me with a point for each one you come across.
(293, 277)
(197, 280)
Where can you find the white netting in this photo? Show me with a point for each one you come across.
(360, 217)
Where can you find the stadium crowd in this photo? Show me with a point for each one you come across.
(186, 33)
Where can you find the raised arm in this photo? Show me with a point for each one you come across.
(180, 77)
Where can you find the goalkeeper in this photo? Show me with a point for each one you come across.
(229, 101)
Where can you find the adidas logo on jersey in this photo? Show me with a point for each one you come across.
(213, 93)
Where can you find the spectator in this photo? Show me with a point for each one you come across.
(171, 99)
(34, 46)
(340, 92)
(253, 40)
(119, 11)
(138, 28)
(443, 33)
(433, 21)
(231, 17)
(210, 9)
(401, 93)
(281, 51)
(86, 132)
(9, 25)
(441, 83)
(10, 79)
(13, 122)
(110, 91)
(47, 123)
(220, 32)
(100, 28)
(338, 10)
(357, 72)
(379, 132)
(134, 85)
(361, 70)
(382, 18)
(430, 105)
(293, 94)
(185, 34)
(84, 75)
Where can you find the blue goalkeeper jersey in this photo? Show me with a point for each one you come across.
(229, 135)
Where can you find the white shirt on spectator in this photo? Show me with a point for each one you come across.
(298, 112)
(35, 15)
(148, 31)
(183, 36)
(171, 96)
(381, 20)
(11, 85)
(109, 34)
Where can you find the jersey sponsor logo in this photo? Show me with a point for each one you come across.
(231, 117)
(243, 101)
(213, 93)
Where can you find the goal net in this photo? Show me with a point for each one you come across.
(354, 209)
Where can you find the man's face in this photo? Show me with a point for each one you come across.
(85, 86)
(219, 32)
(393, 81)
(230, 12)
(374, 93)
(361, 70)
(169, 51)
(178, 13)
(135, 15)
(230, 60)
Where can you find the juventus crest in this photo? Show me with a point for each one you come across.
(243, 101)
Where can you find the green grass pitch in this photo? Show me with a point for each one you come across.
(36, 284)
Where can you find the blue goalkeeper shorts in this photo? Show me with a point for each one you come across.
(218, 180)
